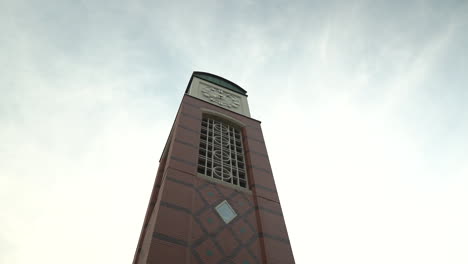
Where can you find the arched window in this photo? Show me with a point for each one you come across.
(221, 154)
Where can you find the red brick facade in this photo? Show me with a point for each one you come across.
(181, 225)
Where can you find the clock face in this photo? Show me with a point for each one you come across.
(221, 97)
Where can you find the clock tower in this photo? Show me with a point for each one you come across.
(214, 200)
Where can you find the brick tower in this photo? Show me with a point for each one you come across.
(214, 200)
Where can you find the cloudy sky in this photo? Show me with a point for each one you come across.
(372, 96)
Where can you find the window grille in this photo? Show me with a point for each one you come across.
(221, 155)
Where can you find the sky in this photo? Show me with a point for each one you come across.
(363, 107)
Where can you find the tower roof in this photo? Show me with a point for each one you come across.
(215, 79)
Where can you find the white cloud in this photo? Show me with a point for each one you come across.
(374, 95)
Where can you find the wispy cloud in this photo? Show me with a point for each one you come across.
(372, 93)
